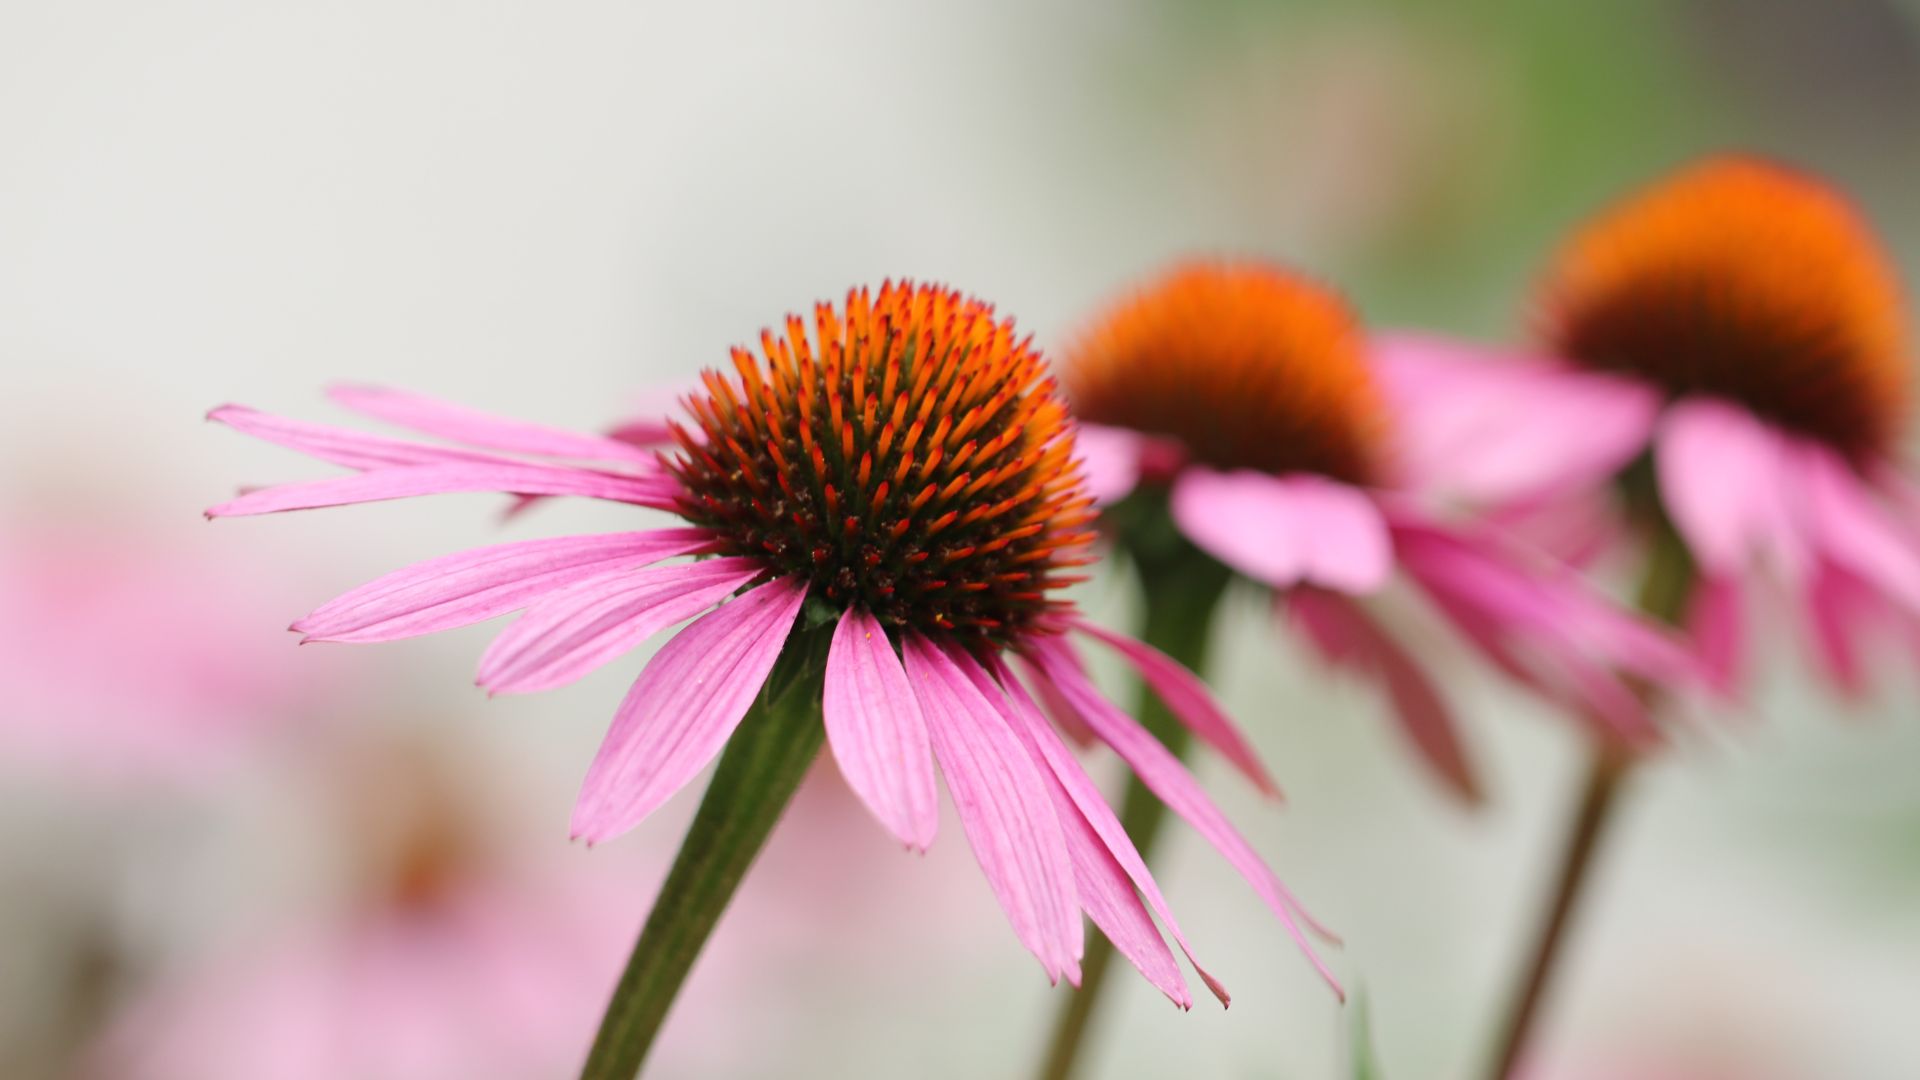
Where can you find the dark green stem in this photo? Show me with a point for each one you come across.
(760, 770)
(1664, 592)
(1181, 594)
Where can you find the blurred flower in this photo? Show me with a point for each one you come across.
(905, 475)
(1237, 403)
(1730, 346)
(450, 954)
(133, 658)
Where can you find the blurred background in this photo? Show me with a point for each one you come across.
(222, 856)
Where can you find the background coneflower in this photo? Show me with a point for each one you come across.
(882, 508)
(1724, 358)
(1232, 419)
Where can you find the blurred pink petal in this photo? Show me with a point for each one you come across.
(1492, 427)
(1346, 635)
(1716, 620)
(1110, 460)
(1720, 480)
(1285, 529)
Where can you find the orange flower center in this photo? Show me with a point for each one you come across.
(1748, 281)
(1245, 366)
(911, 457)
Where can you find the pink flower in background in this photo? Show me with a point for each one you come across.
(904, 478)
(450, 955)
(1239, 401)
(1739, 327)
(130, 657)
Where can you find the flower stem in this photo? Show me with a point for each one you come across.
(1664, 590)
(1180, 597)
(759, 772)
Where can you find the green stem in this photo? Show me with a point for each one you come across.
(1664, 591)
(1180, 597)
(762, 767)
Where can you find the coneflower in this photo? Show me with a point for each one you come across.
(880, 512)
(1232, 418)
(1722, 358)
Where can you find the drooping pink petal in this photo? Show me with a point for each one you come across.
(340, 446)
(1838, 606)
(473, 586)
(683, 707)
(1092, 809)
(408, 481)
(1853, 529)
(1285, 529)
(1163, 774)
(457, 423)
(1493, 428)
(1004, 808)
(1188, 698)
(877, 732)
(1346, 635)
(1543, 625)
(571, 632)
(1107, 896)
(1722, 479)
(1110, 460)
(1716, 621)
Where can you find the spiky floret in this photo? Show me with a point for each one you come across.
(1246, 365)
(1747, 280)
(911, 457)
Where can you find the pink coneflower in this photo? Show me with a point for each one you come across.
(1238, 402)
(894, 492)
(1738, 326)
(129, 657)
(445, 953)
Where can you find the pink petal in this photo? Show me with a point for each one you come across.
(1721, 475)
(1716, 620)
(1163, 774)
(411, 480)
(877, 732)
(473, 586)
(1839, 606)
(683, 707)
(1346, 635)
(1106, 895)
(1090, 808)
(1188, 698)
(571, 632)
(340, 446)
(1544, 627)
(1110, 460)
(1496, 428)
(1285, 529)
(1004, 808)
(463, 425)
(1854, 530)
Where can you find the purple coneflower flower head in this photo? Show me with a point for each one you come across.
(1728, 350)
(896, 491)
(1238, 403)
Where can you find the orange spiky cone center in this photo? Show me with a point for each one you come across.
(910, 457)
(1246, 367)
(1744, 280)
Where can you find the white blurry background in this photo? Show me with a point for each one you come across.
(550, 210)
